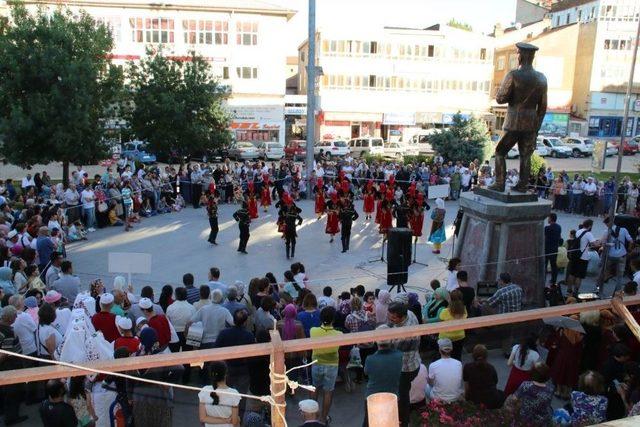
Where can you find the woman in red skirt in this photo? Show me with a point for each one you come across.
(386, 215)
(265, 197)
(566, 365)
(333, 217)
(522, 359)
(369, 200)
(382, 190)
(319, 189)
(252, 202)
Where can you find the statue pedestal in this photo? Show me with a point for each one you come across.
(495, 232)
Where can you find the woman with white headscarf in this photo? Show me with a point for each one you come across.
(120, 284)
(437, 235)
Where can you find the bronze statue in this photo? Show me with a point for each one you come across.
(525, 89)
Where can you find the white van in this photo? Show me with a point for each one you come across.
(366, 145)
(421, 141)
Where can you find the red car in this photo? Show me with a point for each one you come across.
(629, 147)
(296, 149)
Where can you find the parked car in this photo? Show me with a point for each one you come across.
(137, 151)
(244, 151)
(580, 147)
(612, 150)
(217, 154)
(337, 148)
(629, 146)
(555, 146)
(394, 149)
(271, 150)
(296, 149)
(422, 140)
(541, 150)
(366, 146)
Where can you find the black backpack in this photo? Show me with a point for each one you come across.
(573, 247)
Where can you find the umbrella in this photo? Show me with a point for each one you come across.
(565, 322)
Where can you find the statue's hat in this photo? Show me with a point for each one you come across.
(526, 47)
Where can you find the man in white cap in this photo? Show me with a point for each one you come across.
(590, 190)
(12, 239)
(126, 338)
(445, 375)
(157, 321)
(309, 410)
(105, 320)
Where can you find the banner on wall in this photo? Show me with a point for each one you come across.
(555, 124)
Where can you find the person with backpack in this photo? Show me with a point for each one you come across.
(578, 253)
(617, 240)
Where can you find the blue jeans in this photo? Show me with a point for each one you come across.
(89, 217)
(324, 376)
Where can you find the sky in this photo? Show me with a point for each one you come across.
(480, 14)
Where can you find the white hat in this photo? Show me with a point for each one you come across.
(106, 299)
(140, 320)
(145, 303)
(12, 234)
(124, 323)
(309, 406)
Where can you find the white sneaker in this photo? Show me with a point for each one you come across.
(91, 230)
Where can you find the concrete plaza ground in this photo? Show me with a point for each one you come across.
(177, 243)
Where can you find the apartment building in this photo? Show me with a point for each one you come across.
(393, 81)
(571, 11)
(242, 39)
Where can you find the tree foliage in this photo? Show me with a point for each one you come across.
(460, 25)
(537, 163)
(465, 140)
(56, 87)
(176, 104)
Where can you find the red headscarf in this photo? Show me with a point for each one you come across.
(420, 199)
(265, 178)
(392, 180)
(320, 182)
(369, 184)
(383, 188)
(345, 186)
(389, 195)
(334, 196)
(412, 189)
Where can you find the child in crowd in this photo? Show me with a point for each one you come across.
(76, 232)
(163, 207)
(178, 204)
(325, 300)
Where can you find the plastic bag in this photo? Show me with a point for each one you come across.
(593, 268)
(354, 358)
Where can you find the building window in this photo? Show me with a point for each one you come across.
(557, 20)
(247, 73)
(205, 32)
(302, 56)
(152, 30)
(431, 51)
(607, 44)
(579, 15)
(247, 33)
(113, 23)
(483, 54)
(225, 73)
(513, 62)
(500, 63)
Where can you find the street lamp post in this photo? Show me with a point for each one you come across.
(623, 132)
(311, 95)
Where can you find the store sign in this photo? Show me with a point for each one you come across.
(555, 124)
(256, 113)
(295, 111)
(403, 119)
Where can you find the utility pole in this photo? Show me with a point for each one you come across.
(311, 95)
(623, 132)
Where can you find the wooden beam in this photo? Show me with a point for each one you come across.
(278, 389)
(626, 315)
(199, 356)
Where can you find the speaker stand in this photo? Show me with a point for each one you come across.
(401, 288)
(381, 259)
(415, 254)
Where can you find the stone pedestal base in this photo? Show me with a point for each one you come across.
(494, 234)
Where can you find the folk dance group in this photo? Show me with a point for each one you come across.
(383, 202)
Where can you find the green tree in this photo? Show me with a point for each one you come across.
(460, 25)
(176, 104)
(57, 86)
(464, 140)
(537, 163)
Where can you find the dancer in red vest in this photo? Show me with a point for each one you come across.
(252, 202)
(333, 217)
(369, 200)
(265, 196)
(320, 203)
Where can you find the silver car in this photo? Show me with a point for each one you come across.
(244, 151)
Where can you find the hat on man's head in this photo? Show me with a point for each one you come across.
(52, 296)
(309, 406)
(12, 234)
(124, 323)
(140, 320)
(31, 302)
(106, 299)
(145, 303)
(445, 344)
(526, 47)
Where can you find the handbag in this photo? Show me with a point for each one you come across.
(194, 336)
(102, 207)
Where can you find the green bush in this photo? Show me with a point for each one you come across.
(371, 158)
(417, 160)
(537, 162)
(464, 141)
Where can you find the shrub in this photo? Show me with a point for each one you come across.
(464, 141)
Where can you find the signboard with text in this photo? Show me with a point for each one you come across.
(555, 124)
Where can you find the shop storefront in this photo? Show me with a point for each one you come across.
(394, 123)
(257, 123)
(338, 125)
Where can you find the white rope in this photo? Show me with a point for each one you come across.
(273, 376)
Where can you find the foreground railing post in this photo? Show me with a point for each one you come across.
(278, 388)
(626, 315)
